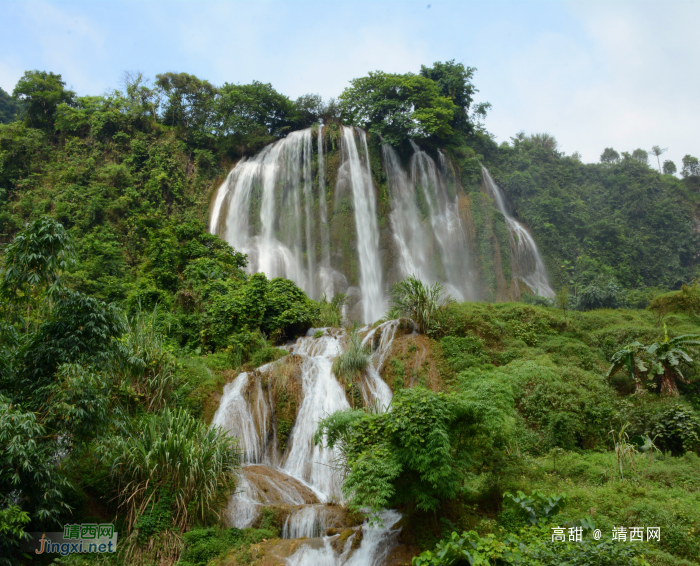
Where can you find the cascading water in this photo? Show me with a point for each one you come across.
(275, 207)
(367, 229)
(525, 257)
(304, 476)
(428, 233)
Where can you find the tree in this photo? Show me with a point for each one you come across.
(609, 155)
(657, 152)
(189, 103)
(309, 109)
(544, 140)
(411, 298)
(641, 156)
(28, 477)
(34, 262)
(397, 107)
(665, 358)
(629, 358)
(8, 108)
(691, 167)
(40, 94)
(659, 361)
(669, 167)
(250, 116)
(454, 82)
(602, 293)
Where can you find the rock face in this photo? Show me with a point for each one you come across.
(274, 412)
(354, 218)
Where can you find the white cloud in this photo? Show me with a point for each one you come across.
(626, 82)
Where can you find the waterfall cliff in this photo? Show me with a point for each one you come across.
(320, 208)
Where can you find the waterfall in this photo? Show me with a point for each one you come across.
(322, 203)
(258, 210)
(366, 225)
(309, 211)
(411, 237)
(428, 233)
(525, 257)
(305, 476)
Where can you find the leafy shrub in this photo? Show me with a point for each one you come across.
(267, 355)
(676, 430)
(463, 352)
(602, 293)
(536, 507)
(415, 453)
(30, 486)
(530, 546)
(201, 545)
(569, 407)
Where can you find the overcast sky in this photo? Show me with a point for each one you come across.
(593, 74)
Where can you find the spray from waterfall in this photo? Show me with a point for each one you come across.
(525, 257)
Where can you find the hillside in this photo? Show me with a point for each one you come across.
(209, 295)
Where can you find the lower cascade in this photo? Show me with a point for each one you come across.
(283, 468)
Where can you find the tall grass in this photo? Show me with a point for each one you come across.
(147, 365)
(354, 360)
(331, 313)
(166, 475)
(411, 298)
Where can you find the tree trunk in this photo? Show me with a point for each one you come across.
(668, 384)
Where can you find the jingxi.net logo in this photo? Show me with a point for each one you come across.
(85, 538)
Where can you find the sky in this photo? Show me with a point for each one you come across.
(619, 74)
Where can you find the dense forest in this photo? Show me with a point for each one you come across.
(122, 319)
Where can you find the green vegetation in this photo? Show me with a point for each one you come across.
(117, 391)
(557, 431)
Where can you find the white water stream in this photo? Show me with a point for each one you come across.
(525, 257)
(304, 477)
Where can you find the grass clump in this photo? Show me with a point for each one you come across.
(331, 312)
(354, 360)
(166, 474)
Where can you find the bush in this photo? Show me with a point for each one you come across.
(532, 545)
(415, 454)
(568, 407)
(687, 300)
(464, 352)
(676, 430)
(602, 293)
